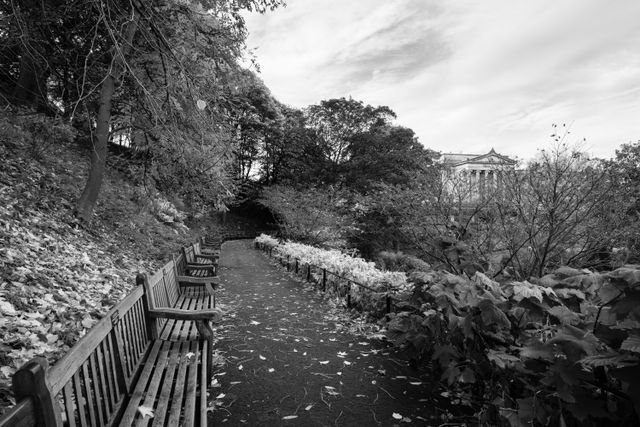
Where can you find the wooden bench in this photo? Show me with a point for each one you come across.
(207, 253)
(210, 246)
(150, 353)
(191, 262)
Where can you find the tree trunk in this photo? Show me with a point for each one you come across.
(98, 156)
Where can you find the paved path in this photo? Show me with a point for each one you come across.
(293, 360)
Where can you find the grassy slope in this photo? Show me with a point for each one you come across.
(57, 277)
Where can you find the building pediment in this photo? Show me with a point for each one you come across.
(490, 158)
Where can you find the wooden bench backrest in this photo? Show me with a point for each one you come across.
(163, 289)
(204, 241)
(189, 254)
(89, 384)
(197, 248)
(180, 263)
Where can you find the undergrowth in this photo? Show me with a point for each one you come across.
(59, 276)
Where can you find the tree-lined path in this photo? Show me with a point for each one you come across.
(293, 358)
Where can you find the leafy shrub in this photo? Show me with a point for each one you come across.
(562, 351)
(166, 211)
(398, 261)
(342, 264)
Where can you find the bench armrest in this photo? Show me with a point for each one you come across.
(210, 268)
(193, 266)
(190, 280)
(180, 314)
(208, 256)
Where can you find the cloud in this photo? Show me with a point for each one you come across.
(465, 75)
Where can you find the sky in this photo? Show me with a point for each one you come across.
(466, 75)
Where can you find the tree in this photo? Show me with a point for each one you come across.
(293, 154)
(384, 154)
(622, 213)
(337, 120)
(550, 212)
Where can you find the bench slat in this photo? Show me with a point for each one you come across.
(165, 394)
(67, 393)
(159, 366)
(80, 400)
(204, 381)
(108, 371)
(88, 395)
(95, 388)
(138, 393)
(178, 388)
(192, 379)
(101, 364)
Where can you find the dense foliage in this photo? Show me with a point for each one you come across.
(161, 78)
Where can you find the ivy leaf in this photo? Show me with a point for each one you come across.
(566, 293)
(632, 343)
(501, 358)
(625, 276)
(537, 350)
(492, 315)
(575, 342)
(564, 315)
(613, 359)
(468, 376)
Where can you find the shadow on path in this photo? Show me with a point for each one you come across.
(291, 360)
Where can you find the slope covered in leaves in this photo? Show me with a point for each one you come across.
(57, 276)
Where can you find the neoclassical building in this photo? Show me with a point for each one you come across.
(472, 175)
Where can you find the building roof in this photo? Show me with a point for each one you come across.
(454, 159)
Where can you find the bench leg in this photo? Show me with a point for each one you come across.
(206, 333)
